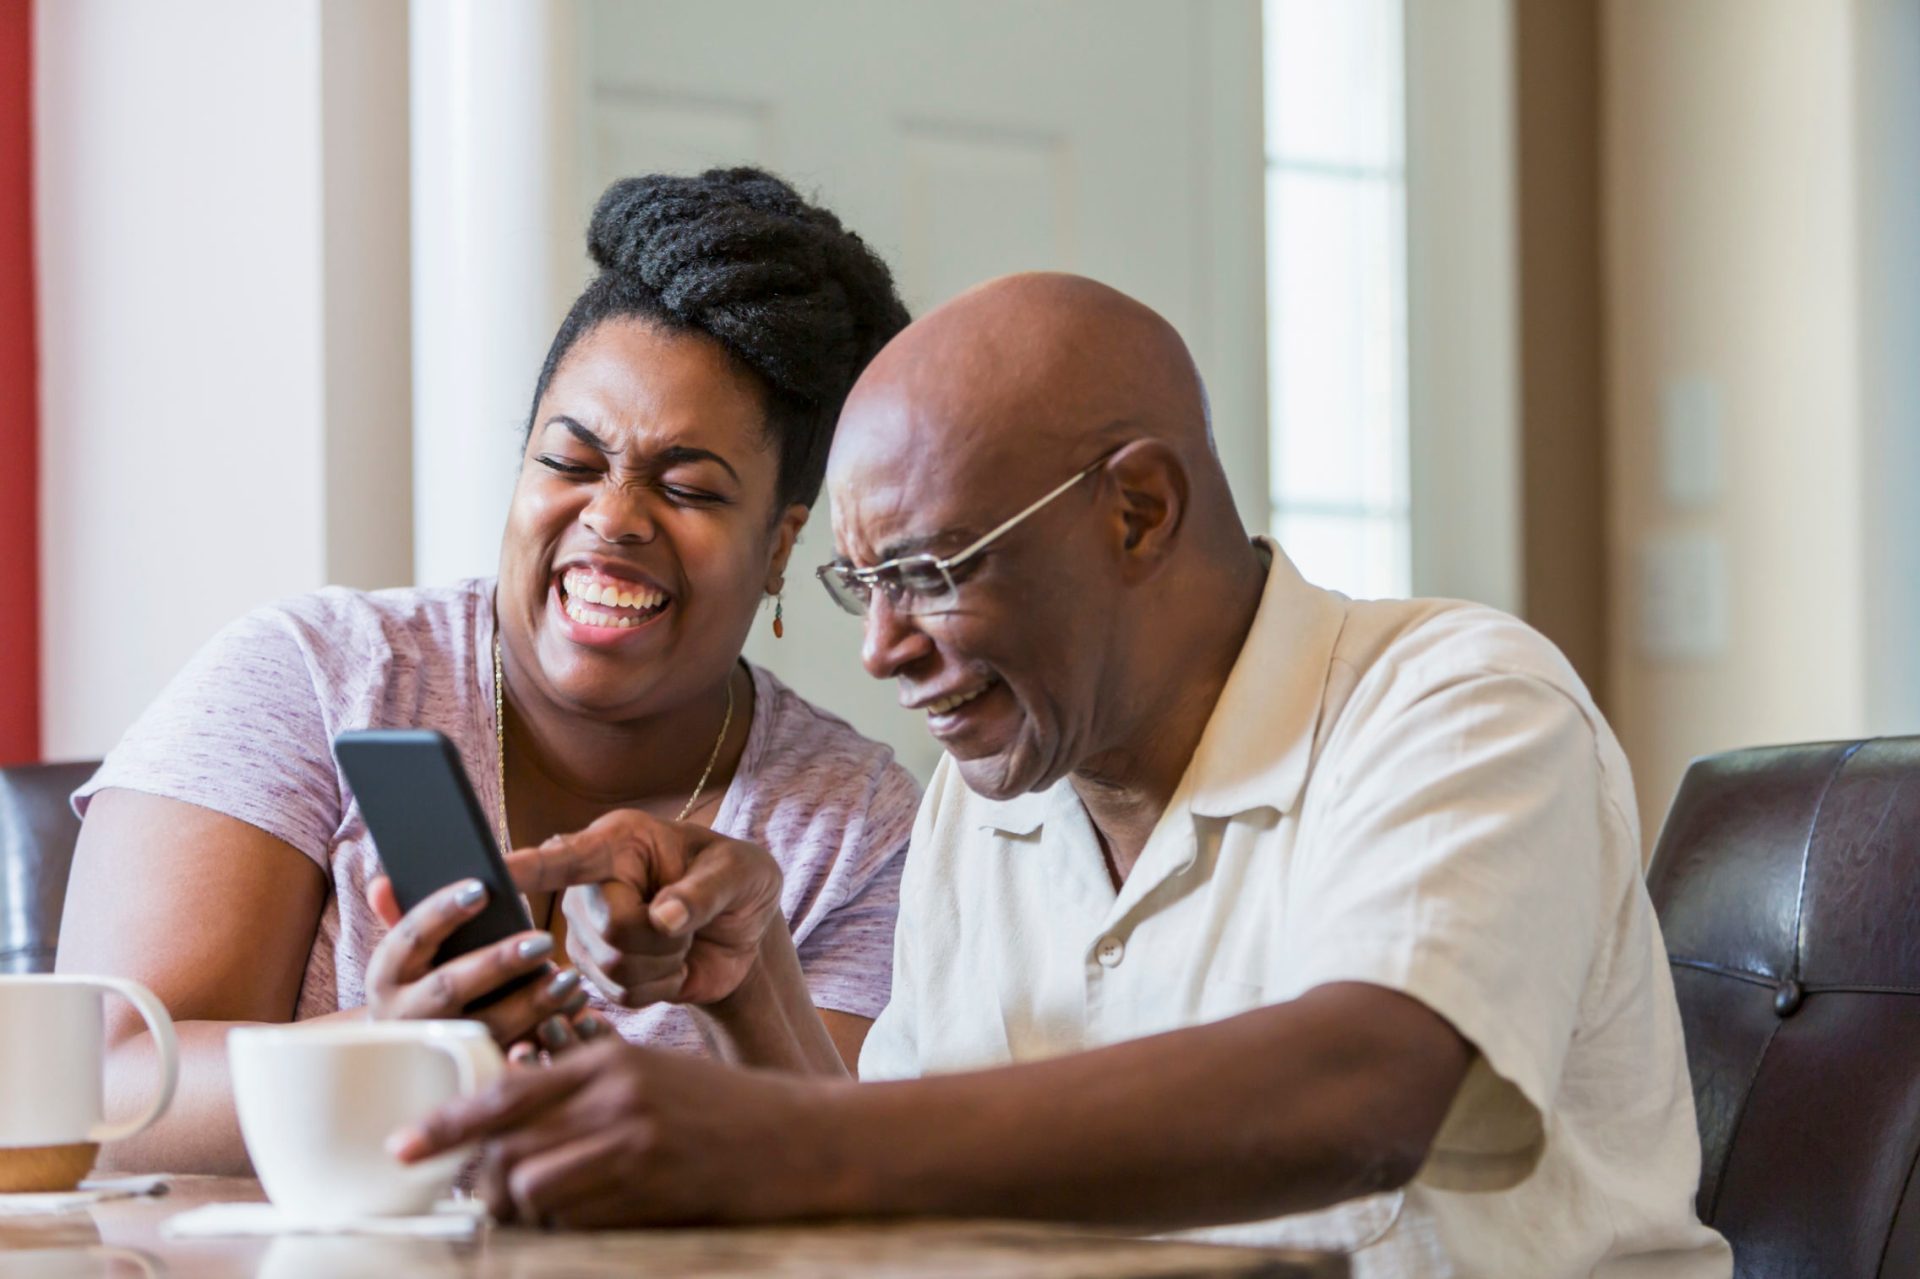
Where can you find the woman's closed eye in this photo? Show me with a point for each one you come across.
(691, 496)
(679, 494)
(561, 465)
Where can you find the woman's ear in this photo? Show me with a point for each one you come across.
(786, 531)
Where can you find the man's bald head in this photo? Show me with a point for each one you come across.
(1065, 633)
(1024, 369)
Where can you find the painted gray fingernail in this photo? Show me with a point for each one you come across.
(553, 1032)
(590, 1028)
(469, 894)
(535, 947)
(563, 983)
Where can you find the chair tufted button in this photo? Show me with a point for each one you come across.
(1787, 997)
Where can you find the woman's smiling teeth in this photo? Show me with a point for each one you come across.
(955, 702)
(636, 603)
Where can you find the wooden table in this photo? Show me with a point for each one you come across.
(121, 1239)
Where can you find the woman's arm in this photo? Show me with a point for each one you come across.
(216, 917)
(769, 1020)
(849, 1034)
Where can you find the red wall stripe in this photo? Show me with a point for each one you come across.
(19, 399)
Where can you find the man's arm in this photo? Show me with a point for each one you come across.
(1334, 1095)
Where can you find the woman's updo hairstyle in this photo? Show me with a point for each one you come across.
(737, 254)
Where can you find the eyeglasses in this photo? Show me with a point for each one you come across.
(917, 585)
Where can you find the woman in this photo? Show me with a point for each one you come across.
(679, 434)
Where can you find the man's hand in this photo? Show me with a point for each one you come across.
(612, 1135)
(657, 911)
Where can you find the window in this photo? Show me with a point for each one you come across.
(1337, 291)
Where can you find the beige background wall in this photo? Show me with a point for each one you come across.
(1562, 369)
(1735, 228)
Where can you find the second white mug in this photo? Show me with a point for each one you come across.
(317, 1104)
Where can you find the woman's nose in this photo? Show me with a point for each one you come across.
(619, 513)
(890, 640)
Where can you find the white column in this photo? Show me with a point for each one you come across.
(1463, 356)
(498, 249)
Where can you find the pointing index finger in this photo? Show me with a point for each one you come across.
(624, 845)
(561, 862)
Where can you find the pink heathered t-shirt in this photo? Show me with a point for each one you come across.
(247, 729)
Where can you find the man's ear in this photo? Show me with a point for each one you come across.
(786, 531)
(1152, 484)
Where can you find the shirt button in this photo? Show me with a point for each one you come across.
(1110, 951)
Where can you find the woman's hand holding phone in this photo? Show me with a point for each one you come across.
(403, 983)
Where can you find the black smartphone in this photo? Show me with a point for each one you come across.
(429, 831)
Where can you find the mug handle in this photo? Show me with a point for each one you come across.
(155, 1014)
(477, 1062)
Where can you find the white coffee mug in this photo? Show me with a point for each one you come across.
(51, 1040)
(318, 1102)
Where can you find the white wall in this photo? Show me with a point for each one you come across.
(187, 377)
(1749, 245)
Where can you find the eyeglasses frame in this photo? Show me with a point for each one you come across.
(869, 577)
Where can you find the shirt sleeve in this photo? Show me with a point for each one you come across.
(846, 955)
(1463, 863)
(239, 731)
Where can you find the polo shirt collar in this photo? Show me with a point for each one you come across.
(1258, 743)
(1021, 815)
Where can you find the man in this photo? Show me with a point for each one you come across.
(1234, 900)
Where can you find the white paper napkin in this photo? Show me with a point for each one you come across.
(91, 1191)
(450, 1219)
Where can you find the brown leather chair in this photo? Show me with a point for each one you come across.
(37, 834)
(1788, 885)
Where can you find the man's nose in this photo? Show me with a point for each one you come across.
(620, 513)
(891, 640)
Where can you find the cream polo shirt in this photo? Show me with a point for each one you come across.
(1416, 794)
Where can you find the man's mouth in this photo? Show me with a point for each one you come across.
(954, 701)
(595, 599)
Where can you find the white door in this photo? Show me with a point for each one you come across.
(965, 139)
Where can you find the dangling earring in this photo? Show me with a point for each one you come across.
(779, 627)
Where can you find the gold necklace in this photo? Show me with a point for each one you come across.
(500, 746)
